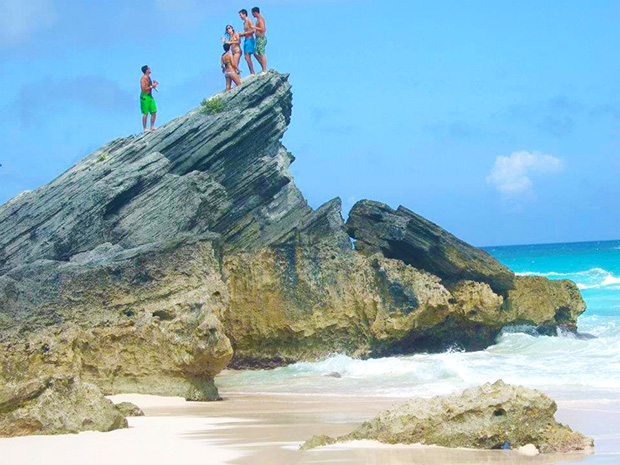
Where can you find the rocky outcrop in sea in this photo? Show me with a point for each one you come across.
(160, 259)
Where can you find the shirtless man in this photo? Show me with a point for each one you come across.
(249, 44)
(229, 68)
(261, 39)
(147, 103)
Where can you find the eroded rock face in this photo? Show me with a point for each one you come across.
(549, 303)
(56, 405)
(403, 235)
(143, 267)
(485, 417)
(142, 320)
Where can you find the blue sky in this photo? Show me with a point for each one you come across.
(500, 121)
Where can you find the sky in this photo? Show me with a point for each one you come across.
(499, 121)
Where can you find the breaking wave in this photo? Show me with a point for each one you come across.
(588, 279)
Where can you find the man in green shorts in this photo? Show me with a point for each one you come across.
(147, 103)
(261, 39)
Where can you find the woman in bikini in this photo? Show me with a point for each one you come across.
(229, 68)
(232, 38)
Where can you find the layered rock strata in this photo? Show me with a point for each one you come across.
(491, 416)
(403, 235)
(158, 259)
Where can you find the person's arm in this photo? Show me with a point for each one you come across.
(250, 30)
(145, 87)
(234, 40)
(260, 26)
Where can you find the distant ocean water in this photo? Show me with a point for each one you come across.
(562, 364)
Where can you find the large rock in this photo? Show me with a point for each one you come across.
(56, 405)
(485, 417)
(546, 303)
(128, 409)
(224, 173)
(145, 265)
(141, 320)
(403, 235)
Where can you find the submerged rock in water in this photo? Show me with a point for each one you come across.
(56, 405)
(485, 417)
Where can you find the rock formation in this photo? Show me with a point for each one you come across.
(405, 236)
(158, 259)
(127, 409)
(56, 405)
(485, 417)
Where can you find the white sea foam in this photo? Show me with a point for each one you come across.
(588, 279)
(563, 363)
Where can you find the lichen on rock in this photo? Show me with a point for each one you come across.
(486, 417)
(56, 405)
(128, 409)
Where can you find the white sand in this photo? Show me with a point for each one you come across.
(149, 440)
(268, 429)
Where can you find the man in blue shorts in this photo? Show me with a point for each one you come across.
(249, 43)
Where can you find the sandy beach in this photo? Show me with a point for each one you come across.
(268, 429)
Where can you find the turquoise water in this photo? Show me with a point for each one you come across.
(562, 364)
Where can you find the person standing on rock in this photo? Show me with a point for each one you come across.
(147, 103)
(229, 68)
(233, 39)
(249, 43)
(261, 39)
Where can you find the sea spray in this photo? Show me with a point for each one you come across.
(521, 356)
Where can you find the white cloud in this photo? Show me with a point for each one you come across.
(512, 175)
(19, 19)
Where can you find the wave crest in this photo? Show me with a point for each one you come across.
(587, 279)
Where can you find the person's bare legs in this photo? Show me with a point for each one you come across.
(227, 83)
(248, 58)
(153, 120)
(235, 77)
(237, 59)
(262, 59)
(144, 117)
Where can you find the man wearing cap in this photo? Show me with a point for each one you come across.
(147, 103)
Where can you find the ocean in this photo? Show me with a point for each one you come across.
(563, 366)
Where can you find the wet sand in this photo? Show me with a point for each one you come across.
(268, 429)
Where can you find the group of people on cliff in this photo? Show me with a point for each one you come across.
(254, 43)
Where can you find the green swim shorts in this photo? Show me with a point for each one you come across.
(147, 104)
(261, 43)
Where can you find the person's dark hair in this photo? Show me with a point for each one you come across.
(244, 11)
(226, 29)
(226, 47)
(256, 10)
(144, 68)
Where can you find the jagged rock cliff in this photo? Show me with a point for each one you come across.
(158, 259)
